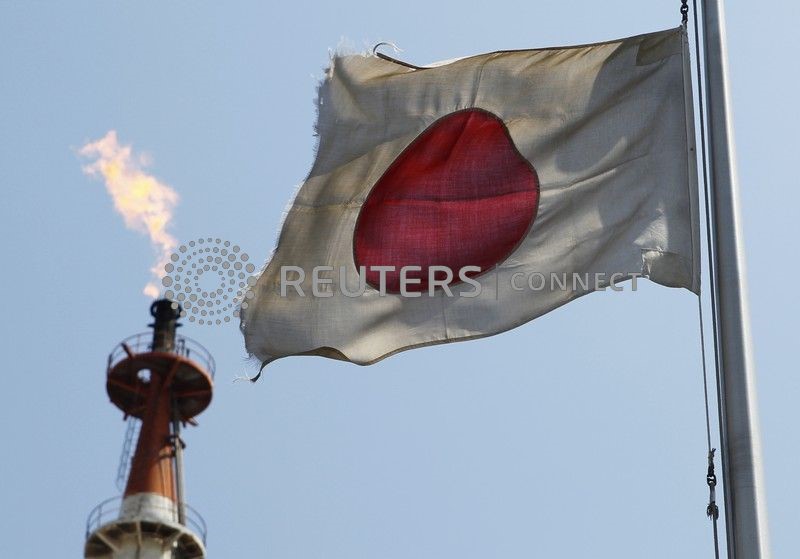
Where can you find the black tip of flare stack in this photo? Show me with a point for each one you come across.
(165, 314)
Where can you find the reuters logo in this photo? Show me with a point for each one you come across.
(211, 279)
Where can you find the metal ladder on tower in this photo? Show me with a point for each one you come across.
(128, 447)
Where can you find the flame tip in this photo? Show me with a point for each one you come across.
(145, 203)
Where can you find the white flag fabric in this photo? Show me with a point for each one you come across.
(463, 199)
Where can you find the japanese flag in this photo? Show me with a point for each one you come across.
(463, 199)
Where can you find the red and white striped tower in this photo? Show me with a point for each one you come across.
(164, 380)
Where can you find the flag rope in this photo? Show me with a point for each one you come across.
(712, 510)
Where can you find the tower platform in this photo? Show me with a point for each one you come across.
(130, 366)
(150, 527)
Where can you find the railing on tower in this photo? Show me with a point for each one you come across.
(109, 510)
(143, 343)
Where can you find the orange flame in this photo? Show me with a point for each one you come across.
(145, 203)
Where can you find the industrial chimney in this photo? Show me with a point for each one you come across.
(165, 380)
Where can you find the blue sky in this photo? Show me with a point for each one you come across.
(579, 434)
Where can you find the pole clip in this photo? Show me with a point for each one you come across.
(712, 510)
(175, 441)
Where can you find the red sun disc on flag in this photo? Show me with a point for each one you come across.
(459, 195)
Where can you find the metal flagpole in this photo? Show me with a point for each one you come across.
(745, 505)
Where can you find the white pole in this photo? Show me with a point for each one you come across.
(745, 504)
